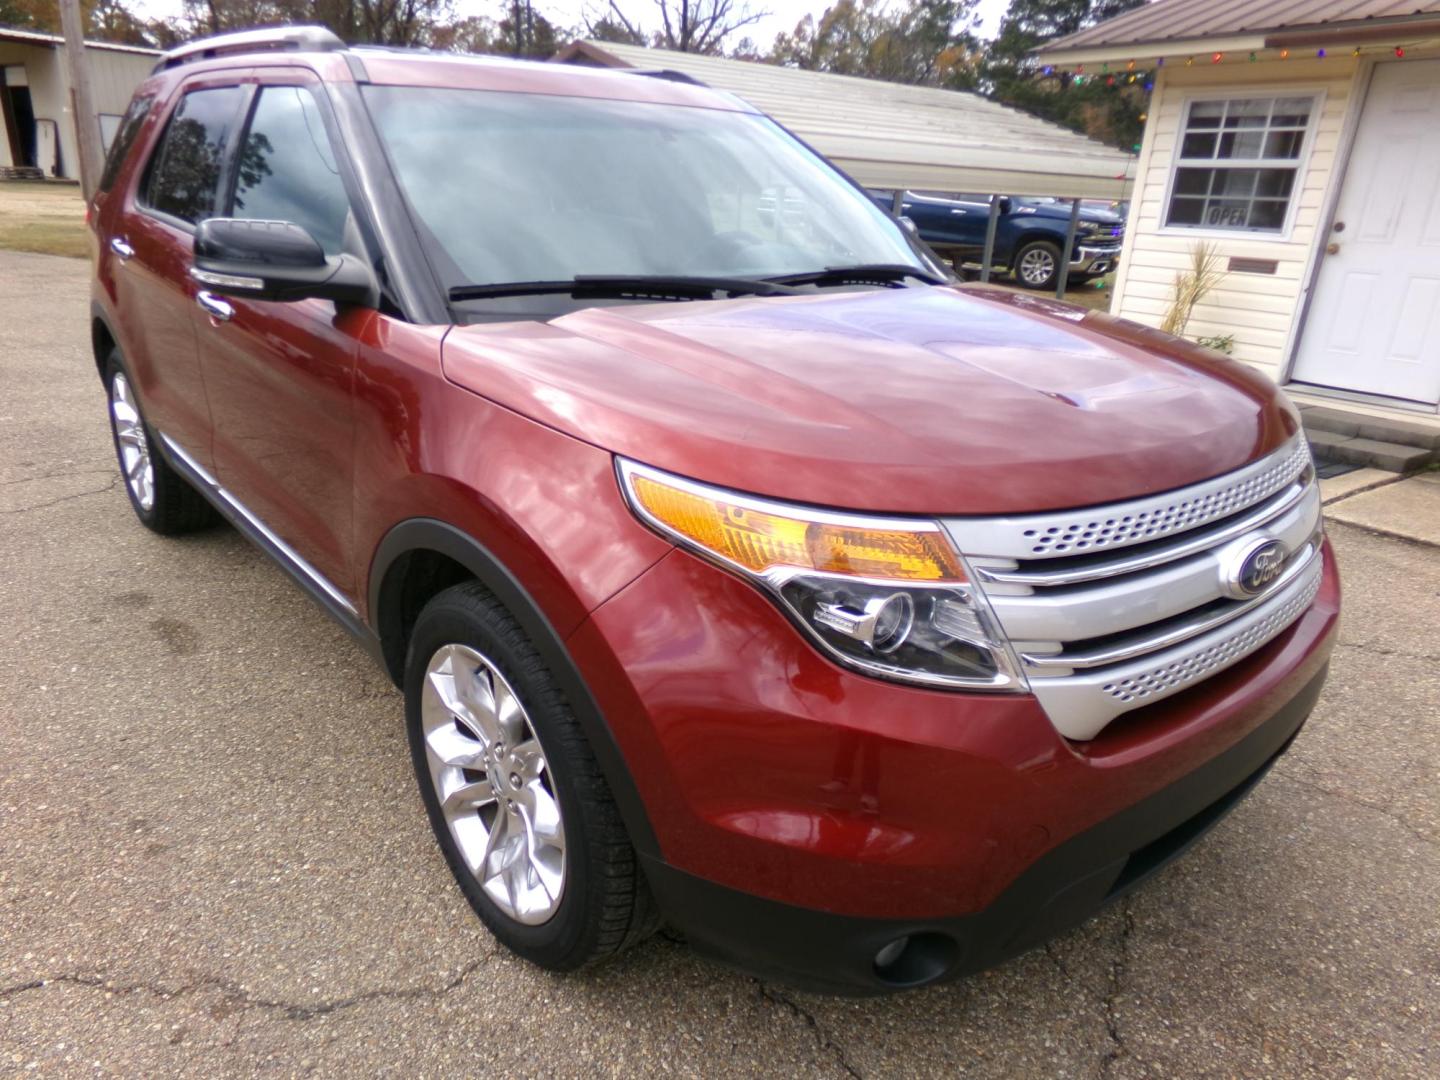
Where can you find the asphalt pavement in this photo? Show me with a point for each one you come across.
(213, 859)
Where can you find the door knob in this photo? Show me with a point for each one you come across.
(1332, 248)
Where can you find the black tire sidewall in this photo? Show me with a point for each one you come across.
(115, 366)
(560, 942)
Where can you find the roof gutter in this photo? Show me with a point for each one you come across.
(1143, 52)
(1395, 32)
(1402, 30)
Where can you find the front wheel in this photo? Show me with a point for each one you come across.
(514, 794)
(1037, 265)
(162, 499)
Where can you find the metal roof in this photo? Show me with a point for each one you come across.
(54, 41)
(889, 135)
(1189, 20)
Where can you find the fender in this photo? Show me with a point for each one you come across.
(429, 534)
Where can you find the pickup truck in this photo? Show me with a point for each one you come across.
(1029, 236)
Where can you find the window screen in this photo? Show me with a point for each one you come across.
(185, 174)
(287, 169)
(1238, 163)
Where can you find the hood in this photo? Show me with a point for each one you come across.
(1092, 215)
(928, 400)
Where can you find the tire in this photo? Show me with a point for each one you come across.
(162, 499)
(1037, 265)
(558, 911)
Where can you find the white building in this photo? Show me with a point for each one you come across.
(36, 113)
(1302, 139)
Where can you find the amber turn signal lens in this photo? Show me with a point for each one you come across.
(758, 539)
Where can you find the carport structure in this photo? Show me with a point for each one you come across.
(889, 135)
(899, 137)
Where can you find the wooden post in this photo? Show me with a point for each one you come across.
(82, 102)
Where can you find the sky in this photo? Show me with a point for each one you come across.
(784, 14)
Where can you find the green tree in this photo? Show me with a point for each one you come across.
(1092, 105)
(926, 42)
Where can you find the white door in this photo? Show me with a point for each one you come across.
(1374, 322)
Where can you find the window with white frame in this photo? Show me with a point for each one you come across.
(1239, 162)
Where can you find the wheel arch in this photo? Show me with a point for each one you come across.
(1030, 236)
(102, 338)
(419, 558)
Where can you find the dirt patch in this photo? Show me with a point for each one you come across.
(43, 217)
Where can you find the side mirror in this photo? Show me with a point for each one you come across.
(276, 260)
(1005, 204)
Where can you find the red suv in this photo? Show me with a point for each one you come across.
(739, 569)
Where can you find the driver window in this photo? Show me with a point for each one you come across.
(287, 170)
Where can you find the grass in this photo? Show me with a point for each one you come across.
(44, 218)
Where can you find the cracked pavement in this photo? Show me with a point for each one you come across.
(213, 861)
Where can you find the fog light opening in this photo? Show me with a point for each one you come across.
(916, 959)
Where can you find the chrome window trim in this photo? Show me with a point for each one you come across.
(293, 557)
(1019, 537)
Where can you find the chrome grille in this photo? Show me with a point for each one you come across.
(1197, 665)
(1107, 621)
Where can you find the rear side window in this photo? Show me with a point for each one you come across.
(185, 172)
(287, 170)
(130, 126)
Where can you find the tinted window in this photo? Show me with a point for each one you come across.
(186, 172)
(125, 138)
(287, 169)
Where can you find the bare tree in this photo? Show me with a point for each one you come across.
(698, 26)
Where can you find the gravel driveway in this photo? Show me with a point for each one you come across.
(213, 859)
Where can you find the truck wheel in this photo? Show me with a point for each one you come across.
(162, 499)
(1037, 264)
(514, 794)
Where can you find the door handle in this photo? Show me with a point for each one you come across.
(1332, 248)
(959, 211)
(214, 306)
(121, 248)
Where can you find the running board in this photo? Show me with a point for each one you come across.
(316, 585)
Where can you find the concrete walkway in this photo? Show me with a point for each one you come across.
(1408, 509)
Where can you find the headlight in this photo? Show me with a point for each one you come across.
(889, 597)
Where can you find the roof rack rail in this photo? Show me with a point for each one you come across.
(669, 75)
(266, 39)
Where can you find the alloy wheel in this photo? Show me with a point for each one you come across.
(1036, 266)
(492, 781)
(134, 444)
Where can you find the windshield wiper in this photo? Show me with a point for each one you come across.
(650, 286)
(893, 274)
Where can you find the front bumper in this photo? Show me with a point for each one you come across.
(1094, 260)
(817, 950)
(806, 815)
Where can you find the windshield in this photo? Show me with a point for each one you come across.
(524, 187)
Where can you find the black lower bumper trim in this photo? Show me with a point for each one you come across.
(822, 951)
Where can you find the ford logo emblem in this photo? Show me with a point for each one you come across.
(1250, 568)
